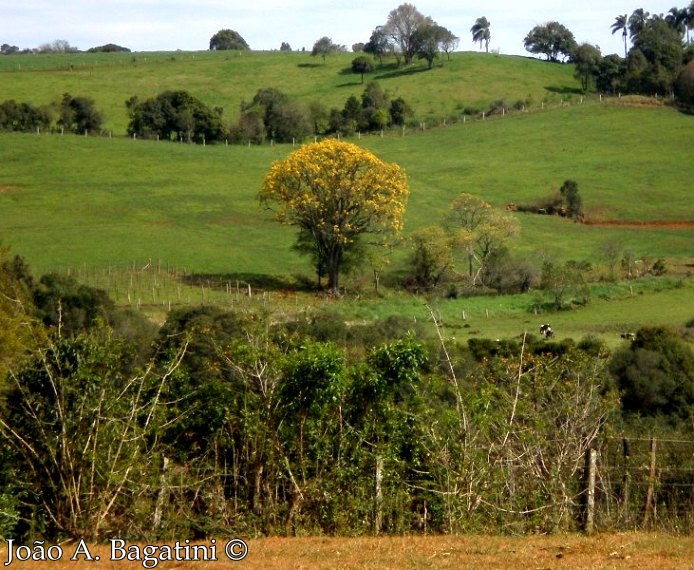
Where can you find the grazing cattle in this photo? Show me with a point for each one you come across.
(628, 335)
(546, 330)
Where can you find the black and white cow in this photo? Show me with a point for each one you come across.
(546, 330)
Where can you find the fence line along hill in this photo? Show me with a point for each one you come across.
(468, 81)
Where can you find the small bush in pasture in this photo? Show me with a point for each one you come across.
(659, 267)
(485, 348)
(509, 274)
(497, 107)
(322, 326)
(392, 328)
(592, 345)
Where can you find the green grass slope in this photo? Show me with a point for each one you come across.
(69, 200)
(225, 79)
(105, 208)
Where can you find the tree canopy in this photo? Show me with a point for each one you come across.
(228, 39)
(324, 47)
(551, 39)
(335, 192)
(175, 115)
(586, 59)
(684, 86)
(401, 28)
(79, 114)
(272, 115)
(655, 374)
(478, 230)
(361, 65)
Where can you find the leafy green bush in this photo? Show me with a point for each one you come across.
(655, 374)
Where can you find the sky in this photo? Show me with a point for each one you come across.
(168, 25)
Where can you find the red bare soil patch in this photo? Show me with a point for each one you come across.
(653, 224)
(623, 550)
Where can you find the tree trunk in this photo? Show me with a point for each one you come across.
(333, 268)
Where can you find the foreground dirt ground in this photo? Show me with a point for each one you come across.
(605, 551)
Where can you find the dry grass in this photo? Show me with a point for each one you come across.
(609, 551)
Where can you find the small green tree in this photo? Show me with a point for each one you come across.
(586, 60)
(362, 65)
(565, 282)
(399, 111)
(378, 44)
(374, 107)
(324, 47)
(572, 199)
(228, 40)
(448, 42)
(79, 115)
(431, 256)
(427, 39)
(551, 39)
(478, 230)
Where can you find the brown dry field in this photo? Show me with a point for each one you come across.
(571, 551)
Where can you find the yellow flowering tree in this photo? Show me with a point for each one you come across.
(335, 192)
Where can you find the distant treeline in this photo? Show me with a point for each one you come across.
(176, 115)
(59, 46)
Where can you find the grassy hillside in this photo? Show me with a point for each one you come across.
(74, 200)
(104, 208)
(225, 79)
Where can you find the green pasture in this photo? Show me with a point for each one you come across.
(166, 224)
(224, 79)
(614, 308)
(73, 200)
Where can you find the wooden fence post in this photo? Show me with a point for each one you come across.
(650, 503)
(378, 502)
(591, 461)
(625, 479)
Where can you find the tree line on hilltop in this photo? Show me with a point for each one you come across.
(660, 62)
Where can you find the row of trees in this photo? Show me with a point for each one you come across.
(270, 115)
(177, 115)
(655, 64)
(226, 423)
(60, 46)
(72, 114)
(680, 20)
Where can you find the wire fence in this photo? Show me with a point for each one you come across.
(645, 483)
(497, 110)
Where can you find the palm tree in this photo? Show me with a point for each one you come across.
(637, 22)
(676, 18)
(622, 23)
(689, 22)
(480, 32)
